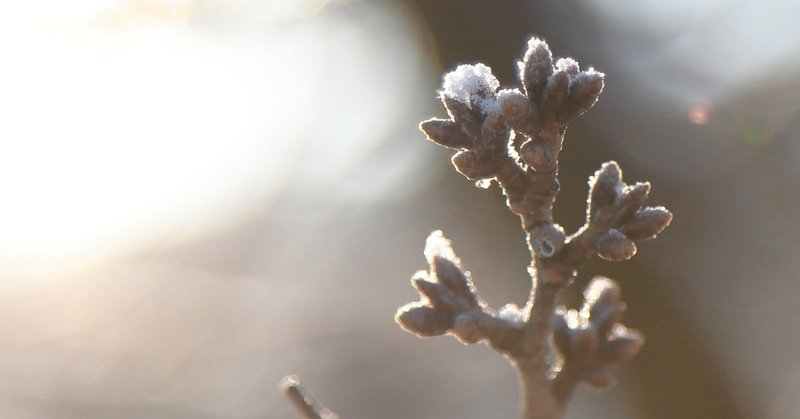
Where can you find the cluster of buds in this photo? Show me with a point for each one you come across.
(449, 302)
(475, 126)
(592, 339)
(615, 215)
(482, 117)
(514, 136)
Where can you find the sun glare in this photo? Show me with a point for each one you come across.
(126, 122)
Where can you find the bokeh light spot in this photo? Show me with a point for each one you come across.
(699, 114)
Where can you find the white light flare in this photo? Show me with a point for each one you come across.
(126, 123)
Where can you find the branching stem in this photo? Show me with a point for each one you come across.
(515, 137)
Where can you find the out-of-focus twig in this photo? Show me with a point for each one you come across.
(303, 401)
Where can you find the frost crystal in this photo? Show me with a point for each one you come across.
(512, 314)
(472, 85)
(438, 245)
(507, 94)
(587, 76)
(567, 64)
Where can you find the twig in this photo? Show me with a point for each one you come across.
(514, 136)
(303, 401)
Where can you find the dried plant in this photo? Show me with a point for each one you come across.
(514, 136)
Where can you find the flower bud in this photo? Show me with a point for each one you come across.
(455, 279)
(584, 89)
(475, 165)
(535, 68)
(446, 133)
(615, 246)
(539, 155)
(554, 95)
(604, 186)
(423, 320)
(584, 344)
(623, 348)
(468, 327)
(514, 107)
(647, 223)
(632, 199)
(436, 292)
(468, 120)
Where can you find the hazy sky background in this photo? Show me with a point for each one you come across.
(200, 196)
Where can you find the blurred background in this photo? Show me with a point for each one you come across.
(201, 196)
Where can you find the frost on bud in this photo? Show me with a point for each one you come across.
(446, 290)
(469, 121)
(468, 327)
(632, 199)
(546, 240)
(446, 267)
(604, 186)
(512, 315)
(514, 107)
(472, 85)
(584, 89)
(475, 165)
(535, 68)
(539, 155)
(615, 246)
(554, 94)
(568, 65)
(423, 320)
(437, 245)
(446, 133)
(647, 223)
